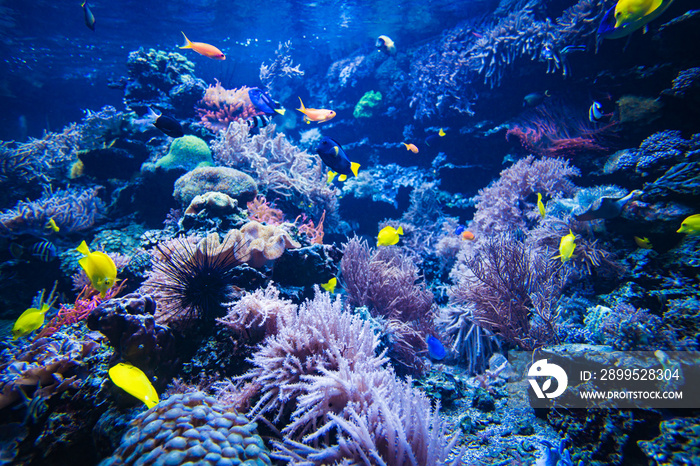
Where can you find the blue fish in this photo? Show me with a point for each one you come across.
(264, 102)
(595, 112)
(459, 229)
(435, 349)
(334, 156)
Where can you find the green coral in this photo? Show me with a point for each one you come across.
(188, 152)
(368, 104)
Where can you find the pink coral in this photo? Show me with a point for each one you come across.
(219, 107)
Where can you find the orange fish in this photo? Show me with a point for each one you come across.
(203, 49)
(315, 114)
(411, 147)
(467, 235)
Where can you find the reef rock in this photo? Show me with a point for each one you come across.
(229, 181)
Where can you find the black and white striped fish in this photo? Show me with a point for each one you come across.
(259, 121)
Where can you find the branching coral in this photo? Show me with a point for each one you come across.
(507, 281)
(500, 205)
(219, 107)
(73, 210)
(280, 168)
(280, 67)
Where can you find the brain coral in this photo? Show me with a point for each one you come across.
(190, 429)
(230, 181)
(187, 152)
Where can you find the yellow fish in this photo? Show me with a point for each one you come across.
(690, 225)
(51, 226)
(315, 114)
(330, 285)
(442, 132)
(643, 243)
(540, 205)
(566, 247)
(389, 235)
(30, 320)
(99, 268)
(633, 12)
(133, 381)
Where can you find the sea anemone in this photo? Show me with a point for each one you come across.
(192, 278)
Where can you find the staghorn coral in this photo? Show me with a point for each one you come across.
(190, 427)
(280, 168)
(499, 205)
(73, 210)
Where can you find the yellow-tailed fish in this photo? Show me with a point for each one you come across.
(318, 115)
(30, 320)
(330, 285)
(643, 243)
(132, 380)
(690, 225)
(540, 205)
(412, 147)
(201, 48)
(386, 45)
(566, 247)
(389, 235)
(99, 268)
(632, 12)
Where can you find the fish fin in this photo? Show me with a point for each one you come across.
(442, 132)
(188, 43)
(331, 176)
(302, 109)
(281, 111)
(83, 248)
(399, 230)
(153, 114)
(86, 266)
(354, 167)
(83, 4)
(407, 148)
(342, 177)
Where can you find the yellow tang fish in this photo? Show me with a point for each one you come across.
(99, 268)
(389, 235)
(330, 285)
(540, 205)
(132, 380)
(30, 320)
(566, 247)
(643, 243)
(690, 225)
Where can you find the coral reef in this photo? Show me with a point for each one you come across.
(499, 206)
(368, 105)
(229, 181)
(130, 327)
(219, 107)
(273, 72)
(73, 210)
(163, 81)
(190, 427)
(279, 168)
(188, 153)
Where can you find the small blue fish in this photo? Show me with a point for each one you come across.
(595, 112)
(435, 349)
(459, 229)
(264, 102)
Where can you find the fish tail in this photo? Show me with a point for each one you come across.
(354, 167)
(188, 43)
(83, 248)
(302, 109)
(281, 111)
(83, 4)
(399, 230)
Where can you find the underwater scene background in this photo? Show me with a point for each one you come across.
(334, 232)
